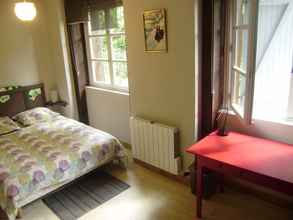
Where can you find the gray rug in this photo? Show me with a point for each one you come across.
(84, 195)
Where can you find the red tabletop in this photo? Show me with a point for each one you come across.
(261, 156)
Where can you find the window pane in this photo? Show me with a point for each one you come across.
(118, 47)
(241, 47)
(242, 12)
(238, 95)
(120, 74)
(273, 91)
(98, 47)
(97, 22)
(101, 72)
(116, 20)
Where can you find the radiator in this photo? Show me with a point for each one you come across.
(155, 144)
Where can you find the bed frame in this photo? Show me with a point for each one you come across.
(20, 99)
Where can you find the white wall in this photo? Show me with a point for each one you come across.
(162, 85)
(60, 54)
(24, 51)
(109, 111)
(36, 51)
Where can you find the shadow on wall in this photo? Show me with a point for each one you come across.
(53, 60)
(18, 65)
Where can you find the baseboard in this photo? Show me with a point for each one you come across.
(237, 184)
(182, 179)
(260, 192)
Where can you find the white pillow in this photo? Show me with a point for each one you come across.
(36, 115)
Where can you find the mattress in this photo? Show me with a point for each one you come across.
(46, 155)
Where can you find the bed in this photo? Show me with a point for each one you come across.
(39, 158)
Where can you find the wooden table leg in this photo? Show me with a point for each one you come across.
(199, 187)
(221, 182)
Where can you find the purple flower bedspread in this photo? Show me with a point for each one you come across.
(47, 154)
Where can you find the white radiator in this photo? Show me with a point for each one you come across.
(155, 144)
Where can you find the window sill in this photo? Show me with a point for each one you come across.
(114, 91)
(256, 121)
(276, 121)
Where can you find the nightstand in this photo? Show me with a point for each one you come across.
(59, 103)
(57, 106)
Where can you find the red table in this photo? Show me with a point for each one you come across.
(264, 162)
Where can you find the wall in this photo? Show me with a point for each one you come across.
(36, 51)
(58, 43)
(162, 85)
(20, 60)
(109, 111)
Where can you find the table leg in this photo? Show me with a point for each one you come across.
(199, 187)
(221, 182)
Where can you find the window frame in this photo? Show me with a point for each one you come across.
(108, 35)
(246, 115)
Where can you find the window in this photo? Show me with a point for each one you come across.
(273, 77)
(106, 45)
(261, 60)
(242, 36)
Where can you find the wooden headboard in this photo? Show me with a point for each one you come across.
(21, 99)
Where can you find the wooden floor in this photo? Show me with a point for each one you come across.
(155, 197)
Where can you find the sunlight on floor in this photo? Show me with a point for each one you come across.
(154, 197)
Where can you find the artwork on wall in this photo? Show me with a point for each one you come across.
(155, 30)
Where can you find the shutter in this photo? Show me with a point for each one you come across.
(79, 67)
(76, 11)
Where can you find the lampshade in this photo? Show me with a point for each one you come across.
(54, 96)
(25, 11)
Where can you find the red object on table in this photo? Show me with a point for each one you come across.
(257, 160)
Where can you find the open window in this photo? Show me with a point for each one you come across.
(243, 35)
(273, 70)
(261, 60)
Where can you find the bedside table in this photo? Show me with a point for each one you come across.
(59, 103)
(57, 106)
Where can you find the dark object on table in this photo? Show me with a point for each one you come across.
(209, 181)
(222, 122)
(59, 103)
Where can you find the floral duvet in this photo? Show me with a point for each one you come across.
(47, 154)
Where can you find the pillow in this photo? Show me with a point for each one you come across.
(35, 115)
(7, 125)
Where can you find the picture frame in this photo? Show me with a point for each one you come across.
(155, 30)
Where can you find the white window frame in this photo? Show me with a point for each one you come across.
(108, 35)
(246, 115)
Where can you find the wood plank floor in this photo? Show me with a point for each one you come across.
(155, 197)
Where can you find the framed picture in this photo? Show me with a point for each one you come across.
(155, 30)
